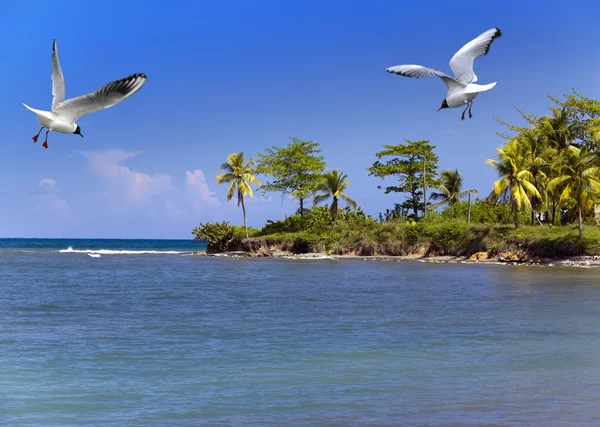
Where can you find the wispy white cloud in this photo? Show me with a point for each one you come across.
(47, 182)
(137, 186)
(49, 202)
(198, 193)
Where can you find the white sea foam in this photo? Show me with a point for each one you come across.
(95, 255)
(99, 252)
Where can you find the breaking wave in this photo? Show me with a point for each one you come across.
(70, 250)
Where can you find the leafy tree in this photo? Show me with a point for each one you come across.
(516, 181)
(295, 169)
(217, 235)
(414, 165)
(579, 178)
(538, 154)
(240, 175)
(579, 111)
(559, 130)
(450, 188)
(332, 186)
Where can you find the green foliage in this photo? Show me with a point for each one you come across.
(240, 175)
(450, 189)
(218, 236)
(332, 185)
(407, 165)
(484, 212)
(516, 183)
(295, 169)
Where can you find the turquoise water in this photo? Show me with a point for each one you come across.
(172, 339)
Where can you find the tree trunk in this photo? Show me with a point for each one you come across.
(415, 204)
(515, 214)
(301, 207)
(334, 211)
(244, 211)
(424, 188)
(580, 222)
(553, 211)
(532, 217)
(469, 210)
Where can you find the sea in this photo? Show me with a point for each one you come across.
(143, 333)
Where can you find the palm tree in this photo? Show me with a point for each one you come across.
(241, 175)
(516, 181)
(593, 126)
(559, 129)
(450, 189)
(333, 185)
(579, 178)
(538, 155)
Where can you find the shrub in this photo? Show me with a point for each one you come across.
(218, 236)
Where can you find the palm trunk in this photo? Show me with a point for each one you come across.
(244, 211)
(532, 217)
(553, 211)
(469, 210)
(424, 188)
(515, 213)
(334, 211)
(580, 222)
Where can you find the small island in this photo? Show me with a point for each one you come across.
(544, 205)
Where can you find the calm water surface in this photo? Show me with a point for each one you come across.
(143, 338)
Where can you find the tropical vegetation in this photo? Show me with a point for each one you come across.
(240, 175)
(543, 202)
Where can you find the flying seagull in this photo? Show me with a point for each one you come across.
(64, 114)
(462, 89)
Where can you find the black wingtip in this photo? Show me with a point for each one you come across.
(494, 37)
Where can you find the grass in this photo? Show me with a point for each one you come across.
(449, 238)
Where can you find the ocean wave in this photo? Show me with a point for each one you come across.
(70, 250)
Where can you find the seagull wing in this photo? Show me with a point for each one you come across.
(418, 71)
(462, 61)
(105, 97)
(58, 81)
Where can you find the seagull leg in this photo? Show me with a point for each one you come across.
(470, 106)
(463, 114)
(35, 138)
(45, 144)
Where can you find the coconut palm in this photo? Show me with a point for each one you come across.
(332, 186)
(450, 189)
(579, 178)
(240, 175)
(538, 156)
(558, 128)
(593, 126)
(516, 181)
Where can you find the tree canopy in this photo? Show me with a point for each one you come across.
(294, 169)
(409, 164)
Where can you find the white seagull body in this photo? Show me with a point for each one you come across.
(462, 89)
(65, 113)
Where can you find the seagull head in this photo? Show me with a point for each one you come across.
(444, 105)
(78, 131)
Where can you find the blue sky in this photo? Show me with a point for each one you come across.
(241, 76)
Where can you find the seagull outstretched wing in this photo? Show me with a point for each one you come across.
(58, 81)
(462, 61)
(418, 71)
(105, 97)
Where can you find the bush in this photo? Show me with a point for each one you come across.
(218, 236)
(484, 212)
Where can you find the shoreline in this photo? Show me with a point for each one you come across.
(585, 261)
